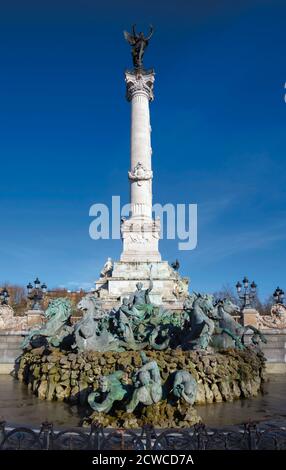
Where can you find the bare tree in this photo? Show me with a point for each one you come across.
(227, 291)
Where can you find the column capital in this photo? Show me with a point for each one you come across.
(139, 83)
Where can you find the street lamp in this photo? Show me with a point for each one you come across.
(278, 296)
(4, 296)
(246, 293)
(36, 293)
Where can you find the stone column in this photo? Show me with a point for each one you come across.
(140, 232)
(139, 93)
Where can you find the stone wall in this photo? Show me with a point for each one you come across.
(274, 350)
(10, 349)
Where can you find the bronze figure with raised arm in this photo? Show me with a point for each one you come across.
(139, 43)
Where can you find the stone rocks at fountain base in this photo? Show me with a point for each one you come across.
(160, 415)
(224, 376)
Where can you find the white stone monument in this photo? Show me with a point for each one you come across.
(140, 258)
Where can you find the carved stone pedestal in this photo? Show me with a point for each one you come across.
(140, 240)
(34, 318)
(169, 288)
(249, 317)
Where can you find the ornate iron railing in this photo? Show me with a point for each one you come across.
(199, 437)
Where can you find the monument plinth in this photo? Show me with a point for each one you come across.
(140, 233)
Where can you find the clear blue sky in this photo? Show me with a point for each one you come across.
(218, 125)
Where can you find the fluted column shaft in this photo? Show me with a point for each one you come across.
(139, 93)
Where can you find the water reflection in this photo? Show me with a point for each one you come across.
(270, 405)
(18, 405)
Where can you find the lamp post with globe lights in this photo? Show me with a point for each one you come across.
(246, 293)
(36, 293)
(4, 296)
(278, 296)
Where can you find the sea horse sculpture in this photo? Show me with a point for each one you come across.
(199, 327)
(92, 331)
(57, 327)
(225, 323)
(111, 388)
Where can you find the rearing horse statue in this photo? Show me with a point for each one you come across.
(228, 332)
(199, 327)
(92, 332)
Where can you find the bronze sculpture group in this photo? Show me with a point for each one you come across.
(147, 388)
(137, 324)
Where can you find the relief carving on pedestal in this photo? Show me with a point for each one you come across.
(277, 318)
(142, 233)
(9, 321)
(137, 238)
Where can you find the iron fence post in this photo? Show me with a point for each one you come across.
(2, 431)
(46, 431)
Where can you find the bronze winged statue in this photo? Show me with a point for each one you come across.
(139, 43)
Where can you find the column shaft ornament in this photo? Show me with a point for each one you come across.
(139, 174)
